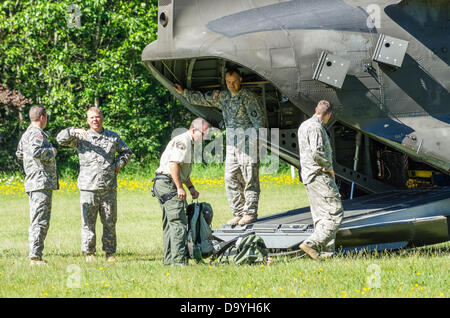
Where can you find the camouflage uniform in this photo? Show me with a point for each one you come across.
(323, 194)
(97, 182)
(243, 115)
(174, 219)
(41, 179)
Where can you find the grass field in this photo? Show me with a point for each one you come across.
(138, 272)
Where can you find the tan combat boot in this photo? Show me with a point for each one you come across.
(248, 218)
(90, 258)
(110, 258)
(310, 251)
(37, 261)
(234, 221)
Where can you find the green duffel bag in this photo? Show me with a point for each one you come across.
(200, 237)
(245, 249)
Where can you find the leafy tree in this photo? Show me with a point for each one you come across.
(71, 55)
(11, 116)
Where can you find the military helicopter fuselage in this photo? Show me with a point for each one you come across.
(383, 65)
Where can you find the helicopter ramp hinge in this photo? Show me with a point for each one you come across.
(331, 70)
(390, 51)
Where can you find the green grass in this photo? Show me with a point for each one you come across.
(138, 272)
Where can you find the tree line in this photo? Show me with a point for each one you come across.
(71, 55)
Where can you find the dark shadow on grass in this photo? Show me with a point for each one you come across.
(138, 257)
(423, 251)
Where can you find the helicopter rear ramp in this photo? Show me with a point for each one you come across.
(381, 221)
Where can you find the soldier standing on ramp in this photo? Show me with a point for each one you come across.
(41, 178)
(316, 161)
(174, 170)
(97, 181)
(243, 115)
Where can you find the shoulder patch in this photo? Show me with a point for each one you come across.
(180, 145)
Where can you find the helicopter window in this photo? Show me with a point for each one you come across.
(163, 19)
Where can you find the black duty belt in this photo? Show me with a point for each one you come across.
(162, 176)
(165, 197)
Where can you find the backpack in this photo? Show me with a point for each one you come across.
(245, 249)
(199, 240)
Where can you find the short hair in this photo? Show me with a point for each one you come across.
(94, 109)
(233, 69)
(198, 123)
(323, 108)
(36, 112)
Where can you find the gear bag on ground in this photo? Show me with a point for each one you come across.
(244, 249)
(199, 241)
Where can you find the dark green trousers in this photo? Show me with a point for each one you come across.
(174, 222)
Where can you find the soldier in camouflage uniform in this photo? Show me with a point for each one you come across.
(316, 161)
(174, 171)
(38, 156)
(97, 180)
(243, 115)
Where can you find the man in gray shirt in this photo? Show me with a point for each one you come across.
(41, 178)
(316, 161)
(97, 181)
